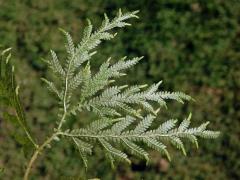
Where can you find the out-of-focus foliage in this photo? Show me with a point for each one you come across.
(193, 46)
(9, 99)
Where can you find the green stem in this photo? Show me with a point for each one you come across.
(49, 140)
(36, 153)
(65, 94)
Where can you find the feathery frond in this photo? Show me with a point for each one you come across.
(122, 126)
(121, 97)
(119, 133)
(119, 108)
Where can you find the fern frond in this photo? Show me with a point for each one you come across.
(121, 109)
(178, 96)
(113, 151)
(78, 54)
(52, 87)
(135, 149)
(120, 98)
(123, 124)
(84, 149)
(101, 79)
(100, 124)
(70, 47)
(185, 123)
(166, 126)
(144, 124)
(93, 39)
(55, 64)
(120, 133)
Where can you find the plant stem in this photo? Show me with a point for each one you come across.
(36, 153)
(49, 140)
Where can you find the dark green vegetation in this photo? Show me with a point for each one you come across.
(193, 46)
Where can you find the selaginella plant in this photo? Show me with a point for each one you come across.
(125, 113)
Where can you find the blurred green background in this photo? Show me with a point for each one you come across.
(193, 46)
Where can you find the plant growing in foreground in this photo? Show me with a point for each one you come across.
(125, 113)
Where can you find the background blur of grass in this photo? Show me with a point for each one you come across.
(193, 46)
